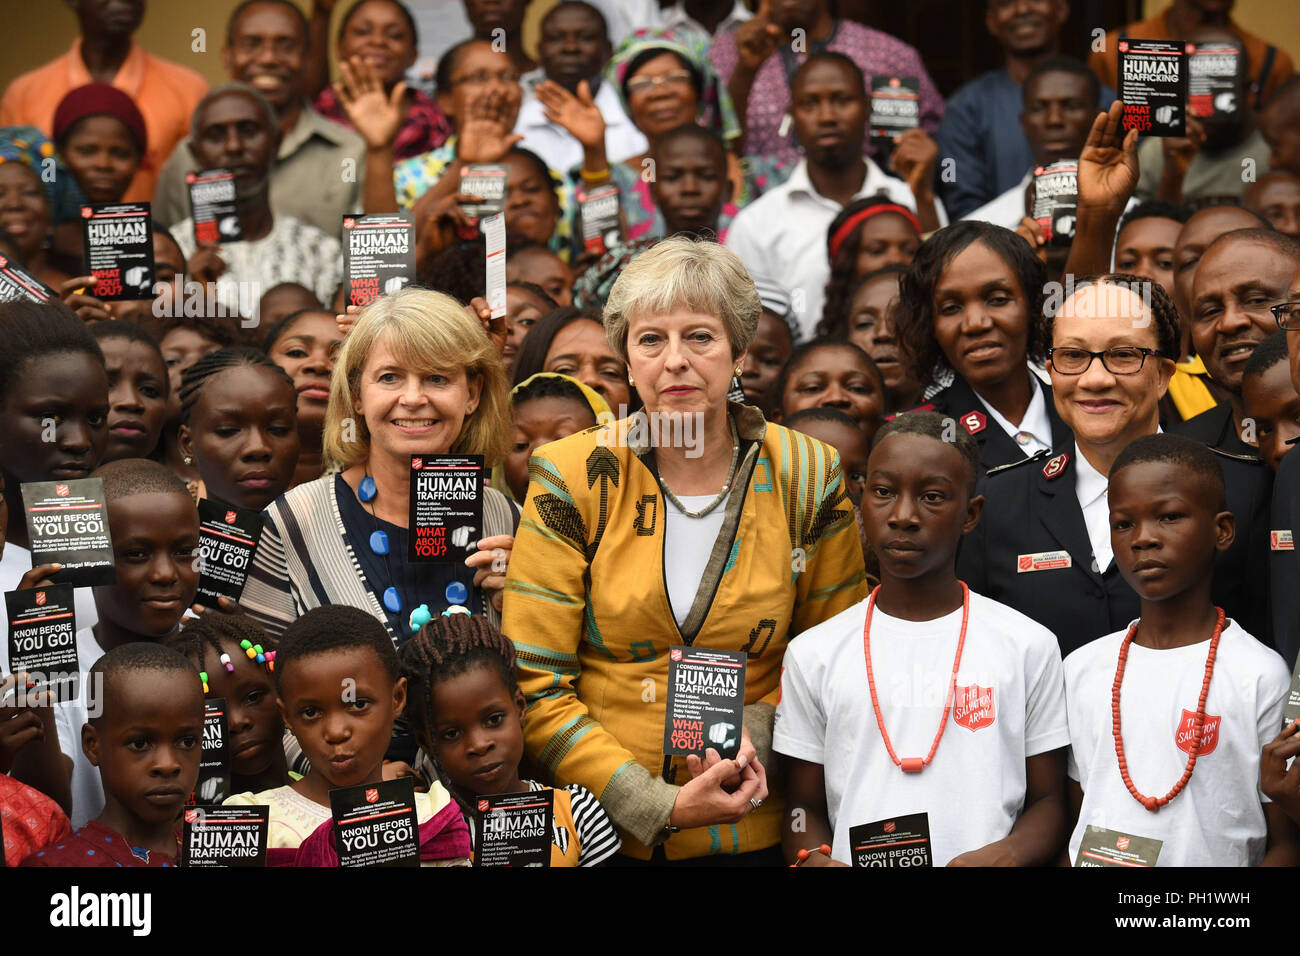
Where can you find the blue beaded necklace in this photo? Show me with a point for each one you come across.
(456, 592)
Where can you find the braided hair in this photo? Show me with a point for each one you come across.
(211, 630)
(200, 372)
(447, 647)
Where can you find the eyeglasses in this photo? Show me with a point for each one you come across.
(484, 77)
(1123, 360)
(1287, 315)
(644, 84)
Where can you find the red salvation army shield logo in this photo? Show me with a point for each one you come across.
(372, 795)
(191, 816)
(349, 222)
(1025, 562)
(417, 463)
(972, 707)
(675, 653)
(62, 490)
(230, 517)
(1122, 843)
(483, 805)
(1187, 731)
(974, 422)
(40, 597)
(891, 826)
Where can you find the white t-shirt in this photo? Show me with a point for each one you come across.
(690, 542)
(69, 717)
(15, 561)
(1217, 819)
(974, 789)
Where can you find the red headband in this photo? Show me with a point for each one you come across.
(862, 215)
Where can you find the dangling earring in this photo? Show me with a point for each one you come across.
(629, 379)
(738, 370)
(188, 460)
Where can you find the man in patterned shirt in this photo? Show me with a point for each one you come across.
(235, 129)
(759, 57)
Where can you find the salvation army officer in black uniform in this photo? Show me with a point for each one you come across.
(1043, 542)
(972, 303)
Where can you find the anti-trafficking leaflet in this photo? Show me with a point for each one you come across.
(118, 242)
(1153, 86)
(228, 537)
(43, 638)
(67, 524)
(706, 701)
(895, 841)
(216, 835)
(375, 824)
(213, 207)
(378, 255)
(514, 829)
(446, 509)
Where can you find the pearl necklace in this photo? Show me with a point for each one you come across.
(735, 461)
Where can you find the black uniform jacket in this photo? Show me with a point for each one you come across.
(1214, 427)
(1031, 551)
(960, 402)
(1283, 564)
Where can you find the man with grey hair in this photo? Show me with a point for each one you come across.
(319, 168)
(234, 128)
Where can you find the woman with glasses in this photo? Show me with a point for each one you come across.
(1043, 544)
(970, 317)
(479, 91)
(664, 80)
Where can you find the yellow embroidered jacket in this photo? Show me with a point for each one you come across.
(587, 608)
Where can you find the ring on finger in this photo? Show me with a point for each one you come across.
(755, 802)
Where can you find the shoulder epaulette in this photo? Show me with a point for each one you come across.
(1245, 459)
(1037, 456)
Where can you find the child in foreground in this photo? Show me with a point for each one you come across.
(862, 693)
(146, 741)
(339, 689)
(1168, 717)
(467, 712)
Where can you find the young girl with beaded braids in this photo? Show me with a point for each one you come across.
(1168, 715)
(466, 710)
(217, 645)
(239, 426)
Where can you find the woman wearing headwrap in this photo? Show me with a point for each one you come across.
(30, 199)
(663, 80)
(101, 138)
(100, 135)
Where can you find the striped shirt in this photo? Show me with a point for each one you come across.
(306, 558)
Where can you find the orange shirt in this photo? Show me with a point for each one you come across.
(1106, 63)
(165, 92)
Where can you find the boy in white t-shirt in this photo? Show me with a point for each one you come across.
(1195, 696)
(925, 698)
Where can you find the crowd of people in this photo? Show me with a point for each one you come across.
(841, 404)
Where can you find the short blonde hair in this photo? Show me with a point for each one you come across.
(427, 331)
(682, 273)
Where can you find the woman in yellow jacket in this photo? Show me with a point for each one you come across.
(694, 523)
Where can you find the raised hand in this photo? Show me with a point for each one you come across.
(757, 37)
(485, 135)
(914, 158)
(578, 114)
(86, 306)
(1108, 164)
(377, 116)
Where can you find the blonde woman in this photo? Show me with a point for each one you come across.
(417, 375)
(695, 522)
